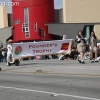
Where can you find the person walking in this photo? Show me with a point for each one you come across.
(81, 45)
(93, 47)
(9, 51)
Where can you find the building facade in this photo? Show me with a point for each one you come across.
(74, 16)
(3, 17)
(5, 29)
(29, 24)
(83, 11)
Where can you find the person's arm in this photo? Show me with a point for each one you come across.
(86, 39)
(7, 47)
(89, 41)
(11, 48)
(77, 39)
(96, 42)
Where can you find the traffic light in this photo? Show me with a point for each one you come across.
(40, 32)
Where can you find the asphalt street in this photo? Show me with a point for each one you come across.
(50, 80)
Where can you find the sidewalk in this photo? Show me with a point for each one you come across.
(54, 67)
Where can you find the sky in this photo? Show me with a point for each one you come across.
(57, 4)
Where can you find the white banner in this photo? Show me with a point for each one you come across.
(41, 48)
(98, 44)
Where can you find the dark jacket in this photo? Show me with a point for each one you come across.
(90, 38)
(1, 56)
(81, 39)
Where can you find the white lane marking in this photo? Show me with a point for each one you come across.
(51, 93)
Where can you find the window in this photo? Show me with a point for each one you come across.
(40, 32)
(25, 25)
(87, 30)
(35, 26)
(26, 15)
(25, 29)
(27, 34)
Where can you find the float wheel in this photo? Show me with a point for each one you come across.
(17, 62)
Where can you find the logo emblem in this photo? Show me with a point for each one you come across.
(65, 46)
(18, 50)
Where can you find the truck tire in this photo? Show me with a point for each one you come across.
(9, 64)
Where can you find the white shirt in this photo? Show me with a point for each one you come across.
(3, 53)
(93, 41)
(9, 47)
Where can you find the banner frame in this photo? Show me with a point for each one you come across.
(70, 45)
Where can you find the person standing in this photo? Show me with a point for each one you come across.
(81, 44)
(9, 51)
(99, 51)
(93, 47)
(4, 55)
(1, 56)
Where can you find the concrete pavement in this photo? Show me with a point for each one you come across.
(68, 67)
(42, 79)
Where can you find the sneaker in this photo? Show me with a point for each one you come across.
(92, 61)
(79, 61)
(7, 64)
(82, 62)
(96, 60)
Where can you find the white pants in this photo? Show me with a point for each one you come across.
(9, 57)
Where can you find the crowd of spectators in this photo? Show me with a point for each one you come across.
(3, 55)
(72, 56)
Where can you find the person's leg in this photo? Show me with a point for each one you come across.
(82, 57)
(8, 58)
(2, 59)
(91, 56)
(71, 55)
(96, 55)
